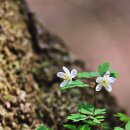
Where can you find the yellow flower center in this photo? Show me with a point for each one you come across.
(66, 77)
(104, 83)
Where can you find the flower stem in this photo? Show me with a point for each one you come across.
(95, 98)
(96, 106)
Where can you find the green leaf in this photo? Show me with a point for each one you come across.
(90, 122)
(114, 74)
(84, 127)
(76, 83)
(106, 126)
(103, 68)
(99, 117)
(96, 121)
(118, 128)
(94, 116)
(77, 117)
(122, 117)
(88, 74)
(86, 109)
(42, 127)
(70, 127)
(127, 127)
(100, 111)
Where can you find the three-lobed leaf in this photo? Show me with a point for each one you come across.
(96, 115)
(99, 111)
(73, 84)
(86, 109)
(122, 117)
(88, 74)
(97, 74)
(103, 68)
(77, 117)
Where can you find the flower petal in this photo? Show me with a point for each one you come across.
(108, 88)
(60, 74)
(64, 83)
(107, 74)
(99, 79)
(111, 79)
(73, 73)
(66, 70)
(98, 87)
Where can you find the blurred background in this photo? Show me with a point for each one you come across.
(96, 31)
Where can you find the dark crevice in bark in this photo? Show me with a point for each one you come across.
(31, 24)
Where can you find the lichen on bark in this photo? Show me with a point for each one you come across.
(30, 56)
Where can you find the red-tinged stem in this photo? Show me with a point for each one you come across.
(95, 98)
(96, 106)
(100, 127)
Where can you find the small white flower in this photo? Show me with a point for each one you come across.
(105, 82)
(67, 76)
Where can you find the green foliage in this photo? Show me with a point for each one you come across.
(70, 127)
(86, 109)
(84, 127)
(100, 111)
(113, 73)
(118, 128)
(42, 127)
(122, 117)
(77, 117)
(88, 113)
(97, 115)
(96, 74)
(127, 127)
(73, 127)
(76, 83)
(103, 68)
(105, 126)
(88, 74)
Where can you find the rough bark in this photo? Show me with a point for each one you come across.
(30, 56)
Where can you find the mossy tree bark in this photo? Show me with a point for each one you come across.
(30, 56)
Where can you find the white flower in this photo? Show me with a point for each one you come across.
(105, 82)
(67, 76)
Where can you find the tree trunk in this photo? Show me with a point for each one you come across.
(30, 57)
